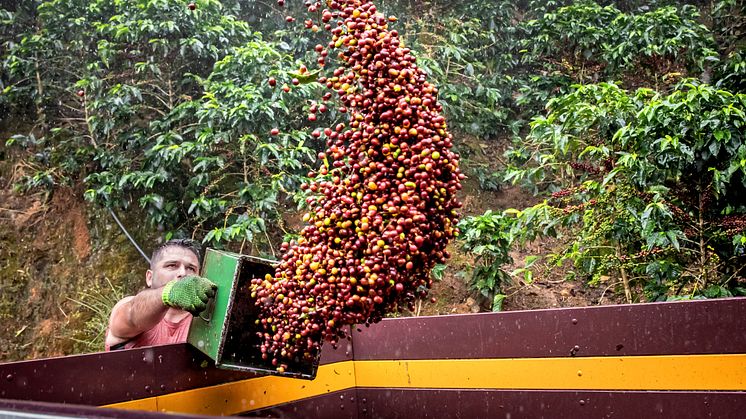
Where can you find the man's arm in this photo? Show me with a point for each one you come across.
(134, 315)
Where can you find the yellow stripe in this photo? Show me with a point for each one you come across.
(678, 372)
(255, 393)
(149, 404)
(695, 372)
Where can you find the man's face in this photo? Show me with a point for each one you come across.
(175, 263)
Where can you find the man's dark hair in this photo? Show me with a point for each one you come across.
(189, 244)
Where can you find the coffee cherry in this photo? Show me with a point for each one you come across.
(382, 206)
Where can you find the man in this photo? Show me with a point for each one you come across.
(162, 313)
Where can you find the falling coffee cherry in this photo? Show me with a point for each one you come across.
(281, 3)
(192, 6)
(81, 93)
(274, 132)
(272, 82)
(382, 205)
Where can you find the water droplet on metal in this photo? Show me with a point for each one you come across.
(574, 321)
(163, 386)
(582, 402)
(147, 388)
(9, 377)
(580, 373)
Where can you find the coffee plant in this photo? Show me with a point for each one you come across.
(167, 108)
(649, 185)
(489, 237)
(590, 41)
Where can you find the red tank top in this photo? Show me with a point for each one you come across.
(162, 333)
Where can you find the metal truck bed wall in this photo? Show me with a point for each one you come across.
(681, 359)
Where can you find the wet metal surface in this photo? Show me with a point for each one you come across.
(110, 377)
(26, 409)
(186, 368)
(85, 379)
(131, 374)
(336, 405)
(680, 328)
(473, 404)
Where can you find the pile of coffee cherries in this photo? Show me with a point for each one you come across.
(382, 207)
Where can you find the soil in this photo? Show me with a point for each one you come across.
(61, 268)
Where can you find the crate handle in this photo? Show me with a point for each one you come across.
(209, 309)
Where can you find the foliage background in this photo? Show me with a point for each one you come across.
(603, 141)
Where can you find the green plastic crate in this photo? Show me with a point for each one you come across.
(226, 330)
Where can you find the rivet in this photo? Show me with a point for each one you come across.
(580, 373)
(9, 377)
(147, 388)
(574, 321)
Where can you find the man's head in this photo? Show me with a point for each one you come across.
(173, 259)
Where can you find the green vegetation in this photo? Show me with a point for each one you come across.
(648, 184)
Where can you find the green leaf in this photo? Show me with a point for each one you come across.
(497, 302)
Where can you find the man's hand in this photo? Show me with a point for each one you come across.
(190, 293)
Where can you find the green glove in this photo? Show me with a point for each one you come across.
(190, 293)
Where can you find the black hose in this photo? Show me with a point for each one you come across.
(124, 230)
